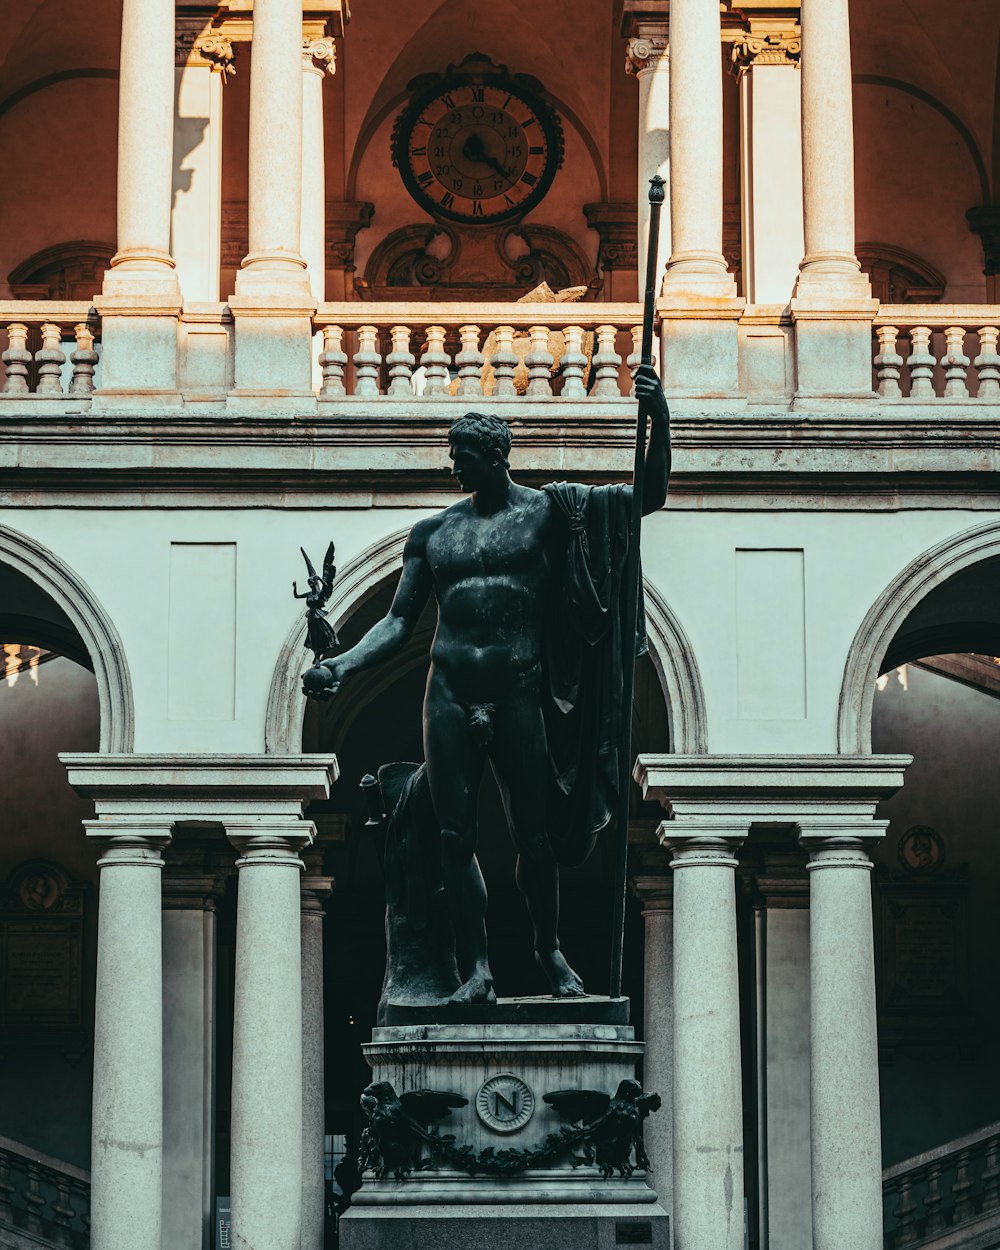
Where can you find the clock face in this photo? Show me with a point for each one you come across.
(477, 152)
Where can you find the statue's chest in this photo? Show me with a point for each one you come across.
(497, 546)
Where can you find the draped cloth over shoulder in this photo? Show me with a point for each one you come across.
(584, 658)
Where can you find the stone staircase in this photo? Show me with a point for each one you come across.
(947, 1198)
(43, 1201)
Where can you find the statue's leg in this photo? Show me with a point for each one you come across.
(519, 757)
(454, 771)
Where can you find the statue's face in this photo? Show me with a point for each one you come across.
(471, 466)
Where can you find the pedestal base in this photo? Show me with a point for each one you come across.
(500, 1226)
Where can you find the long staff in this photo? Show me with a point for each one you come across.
(631, 602)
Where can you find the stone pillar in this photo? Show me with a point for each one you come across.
(266, 1132)
(315, 890)
(832, 309)
(203, 62)
(657, 898)
(707, 1085)
(846, 1129)
(697, 265)
(127, 1118)
(648, 58)
(190, 891)
(766, 62)
(318, 60)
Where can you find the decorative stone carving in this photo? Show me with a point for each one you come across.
(194, 45)
(505, 1103)
(616, 226)
(320, 55)
(898, 276)
(769, 44)
(70, 271)
(645, 53)
(344, 218)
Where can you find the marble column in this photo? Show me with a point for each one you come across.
(844, 1083)
(766, 61)
(829, 263)
(190, 890)
(266, 1132)
(648, 58)
(127, 1117)
(203, 63)
(707, 1084)
(315, 890)
(274, 205)
(318, 61)
(145, 150)
(656, 894)
(696, 264)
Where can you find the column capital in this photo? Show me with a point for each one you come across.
(274, 842)
(196, 46)
(703, 844)
(824, 833)
(646, 52)
(984, 220)
(766, 41)
(315, 891)
(655, 893)
(319, 56)
(136, 840)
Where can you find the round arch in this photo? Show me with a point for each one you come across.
(670, 651)
(81, 606)
(886, 616)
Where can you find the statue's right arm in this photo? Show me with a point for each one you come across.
(392, 632)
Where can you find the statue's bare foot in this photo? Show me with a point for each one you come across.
(478, 988)
(561, 977)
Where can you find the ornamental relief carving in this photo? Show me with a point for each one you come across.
(193, 45)
(645, 52)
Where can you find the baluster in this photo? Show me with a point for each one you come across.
(920, 363)
(333, 362)
(991, 1174)
(635, 359)
(504, 362)
(987, 363)
(606, 364)
(904, 1214)
(400, 361)
(965, 1207)
(84, 361)
(933, 1200)
(888, 363)
(16, 358)
(62, 1213)
(33, 1199)
(470, 361)
(539, 362)
(435, 361)
(366, 362)
(6, 1189)
(956, 364)
(50, 359)
(573, 363)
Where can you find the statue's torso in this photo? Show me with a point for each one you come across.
(491, 577)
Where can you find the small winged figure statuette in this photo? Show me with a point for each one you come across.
(321, 638)
(613, 1126)
(397, 1126)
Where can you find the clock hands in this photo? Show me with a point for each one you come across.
(473, 150)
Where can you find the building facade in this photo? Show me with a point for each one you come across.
(289, 245)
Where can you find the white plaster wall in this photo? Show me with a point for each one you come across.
(772, 676)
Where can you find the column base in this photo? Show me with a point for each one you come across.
(698, 274)
(700, 347)
(833, 350)
(549, 1226)
(140, 272)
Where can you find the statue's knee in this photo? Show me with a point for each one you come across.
(457, 845)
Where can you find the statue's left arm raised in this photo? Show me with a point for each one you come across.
(392, 632)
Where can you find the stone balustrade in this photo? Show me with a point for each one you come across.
(48, 348)
(498, 351)
(956, 1186)
(927, 353)
(42, 1198)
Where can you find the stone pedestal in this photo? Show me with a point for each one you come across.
(555, 1206)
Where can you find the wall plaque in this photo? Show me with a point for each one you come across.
(41, 957)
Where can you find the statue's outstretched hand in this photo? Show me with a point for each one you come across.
(323, 681)
(649, 391)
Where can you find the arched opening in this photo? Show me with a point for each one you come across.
(49, 702)
(937, 873)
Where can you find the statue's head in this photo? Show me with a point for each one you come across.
(480, 449)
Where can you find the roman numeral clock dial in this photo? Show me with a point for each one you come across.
(477, 153)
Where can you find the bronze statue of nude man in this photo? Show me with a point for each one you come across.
(487, 559)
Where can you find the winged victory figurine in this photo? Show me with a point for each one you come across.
(321, 638)
(613, 1125)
